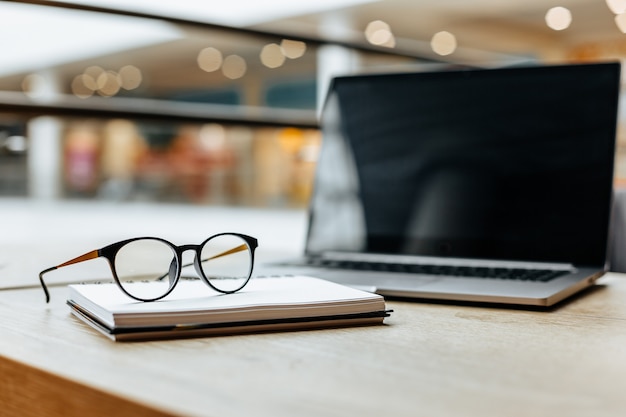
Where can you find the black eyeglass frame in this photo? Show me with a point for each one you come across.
(109, 252)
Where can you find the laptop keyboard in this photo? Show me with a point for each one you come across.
(520, 274)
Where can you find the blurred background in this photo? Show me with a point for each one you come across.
(216, 103)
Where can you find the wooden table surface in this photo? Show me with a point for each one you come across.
(427, 360)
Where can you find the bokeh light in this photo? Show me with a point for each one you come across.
(272, 55)
(292, 49)
(558, 18)
(210, 59)
(130, 77)
(234, 67)
(443, 43)
(80, 88)
(617, 6)
(31, 85)
(108, 84)
(379, 33)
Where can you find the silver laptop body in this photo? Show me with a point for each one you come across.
(466, 185)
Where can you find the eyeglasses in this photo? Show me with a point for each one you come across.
(140, 265)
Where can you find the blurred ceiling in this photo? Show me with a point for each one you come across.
(512, 27)
(486, 31)
(508, 27)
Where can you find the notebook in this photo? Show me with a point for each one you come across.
(480, 185)
(194, 310)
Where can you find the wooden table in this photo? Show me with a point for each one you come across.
(427, 360)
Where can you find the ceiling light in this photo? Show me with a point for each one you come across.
(130, 77)
(42, 86)
(108, 84)
(558, 18)
(94, 71)
(272, 55)
(210, 59)
(617, 6)
(234, 67)
(89, 81)
(79, 88)
(379, 33)
(443, 43)
(292, 49)
(33, 85)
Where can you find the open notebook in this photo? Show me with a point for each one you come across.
(468, 185)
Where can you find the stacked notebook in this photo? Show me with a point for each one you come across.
(193, 310)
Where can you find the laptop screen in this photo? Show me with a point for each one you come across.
(511, 164)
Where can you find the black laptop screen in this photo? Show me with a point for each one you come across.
(512, 164)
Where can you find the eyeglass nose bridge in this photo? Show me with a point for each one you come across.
(185, 248)
(180, 250)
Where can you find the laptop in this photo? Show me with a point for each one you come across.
(473, 185)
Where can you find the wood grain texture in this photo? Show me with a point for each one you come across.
(427, 360)
(29, 392)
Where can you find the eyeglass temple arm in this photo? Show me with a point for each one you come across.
(90, 255)
(239, 248)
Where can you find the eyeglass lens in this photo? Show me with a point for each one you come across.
(146, 261)
(226, 262)
(147, 268)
